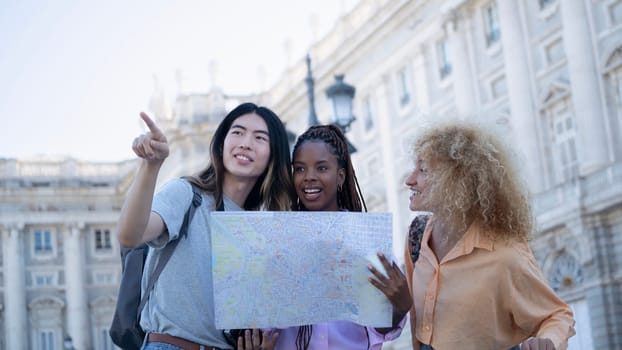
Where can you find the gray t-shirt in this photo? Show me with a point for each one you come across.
(182, 300)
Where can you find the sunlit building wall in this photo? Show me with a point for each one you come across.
(545, 75)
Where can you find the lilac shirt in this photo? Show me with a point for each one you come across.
(339, 335)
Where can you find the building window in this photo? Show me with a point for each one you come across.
(403, 77)
(554, 52)
(545, 3)
(43, 242)
(46, 340)
(613, 75)
(615, 12)
(498, 88)
(103, 241)
(444, 66)
(491, 19)
(43, 279)
(368, 113)
(563, 142)
(103, 278)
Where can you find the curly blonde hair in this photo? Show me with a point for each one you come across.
(472, 178)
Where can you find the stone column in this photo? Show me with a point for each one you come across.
(421, 87)
(385, 115)
(522, 106)
(77, 307)
(15, 288)
(585, 87)
(464, 88)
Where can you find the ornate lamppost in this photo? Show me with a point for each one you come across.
(341, 95)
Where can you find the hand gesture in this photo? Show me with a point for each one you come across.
(254, 342)
(394, 285)
(538, 344)
(151, 146)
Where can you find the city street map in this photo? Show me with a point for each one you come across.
(281, 269)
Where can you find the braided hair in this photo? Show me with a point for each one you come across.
(349, 196)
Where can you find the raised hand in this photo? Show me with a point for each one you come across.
(254, 342)
(538, 344)
(394, 285)
(151, 146)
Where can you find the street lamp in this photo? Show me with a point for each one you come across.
(341, 95)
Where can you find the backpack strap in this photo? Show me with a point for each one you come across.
(167, 251)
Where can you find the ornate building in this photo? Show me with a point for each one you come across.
(59, 257)
(547, 74)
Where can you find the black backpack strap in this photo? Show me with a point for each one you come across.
(167, 251)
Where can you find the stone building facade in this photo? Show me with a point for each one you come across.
(545, 74)
(59, 254)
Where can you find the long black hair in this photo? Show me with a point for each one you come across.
(274, 189)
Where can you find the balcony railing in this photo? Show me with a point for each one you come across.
(605, 183)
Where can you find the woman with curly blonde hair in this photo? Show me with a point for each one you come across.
(475, 281)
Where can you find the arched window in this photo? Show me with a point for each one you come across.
(612, 69)
(560, 134)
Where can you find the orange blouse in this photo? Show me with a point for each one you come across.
(484, 294)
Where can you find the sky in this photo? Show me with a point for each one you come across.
(74, 74)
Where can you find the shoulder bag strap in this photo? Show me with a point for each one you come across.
(167, 251)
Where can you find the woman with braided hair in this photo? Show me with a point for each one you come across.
(325, 181)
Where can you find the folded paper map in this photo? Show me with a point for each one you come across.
(281, 269)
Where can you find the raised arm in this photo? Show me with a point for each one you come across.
(137, 224)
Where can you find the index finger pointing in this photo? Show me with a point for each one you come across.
(150, 123)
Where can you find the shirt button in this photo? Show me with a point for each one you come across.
(427, 328)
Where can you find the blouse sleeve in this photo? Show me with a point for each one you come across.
(535, 306)
(376, 338)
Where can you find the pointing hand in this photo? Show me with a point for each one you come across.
(151, 146)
